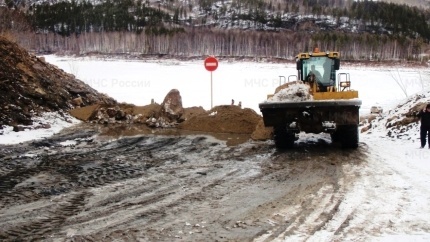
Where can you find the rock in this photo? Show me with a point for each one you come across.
(77, 102)
(365, 129)
(159, 123)
(138, 119)
(111, 112)
(43, 126)
(151, 122)
(18, 128)
(42, 143)
(120, 115)
(368, 118)
(38, 67)
(85, 113)
(172, 105)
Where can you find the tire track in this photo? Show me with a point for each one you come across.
(324, 180)
(144, 206)
(164, 188)
(78, 171)
(40, 228)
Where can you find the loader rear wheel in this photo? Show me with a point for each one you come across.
(283, 138)
(349, 137)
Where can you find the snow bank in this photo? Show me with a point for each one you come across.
(44, 126)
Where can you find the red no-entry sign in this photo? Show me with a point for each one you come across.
(211, 63)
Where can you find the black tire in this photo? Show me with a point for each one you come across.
(283, 138)
(335, 137)
(349, 136)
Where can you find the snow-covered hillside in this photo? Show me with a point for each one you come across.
(399, 123)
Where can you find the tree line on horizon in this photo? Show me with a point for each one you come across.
(387, 32)
(225, 43)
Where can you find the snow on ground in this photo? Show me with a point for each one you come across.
(396, 184)
(44, 126)
(393, 190)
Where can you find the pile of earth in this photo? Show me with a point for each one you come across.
(228, 119)
(221, 119)
(152, 115)
(165, 115)
(30, 86)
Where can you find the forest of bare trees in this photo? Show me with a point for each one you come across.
(227, 43)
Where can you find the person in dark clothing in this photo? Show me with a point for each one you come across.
(425, 125)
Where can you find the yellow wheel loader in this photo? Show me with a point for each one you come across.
(333, 107)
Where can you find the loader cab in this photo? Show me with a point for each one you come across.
(319, 69)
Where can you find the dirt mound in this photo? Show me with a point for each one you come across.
(166, 115)
(261, 132)
(103, 113)
(30, 86)
(223, 119)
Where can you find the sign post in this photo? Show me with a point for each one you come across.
(211, 64)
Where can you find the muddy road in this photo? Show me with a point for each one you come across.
(84, 184)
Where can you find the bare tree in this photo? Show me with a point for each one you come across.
(400, 82)
(74, 68)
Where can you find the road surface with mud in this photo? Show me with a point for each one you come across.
(84, 185)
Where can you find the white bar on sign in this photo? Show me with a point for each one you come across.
(210, 64)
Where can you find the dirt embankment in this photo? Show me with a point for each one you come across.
(30, 86)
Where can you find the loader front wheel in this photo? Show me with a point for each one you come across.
(283, 138)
